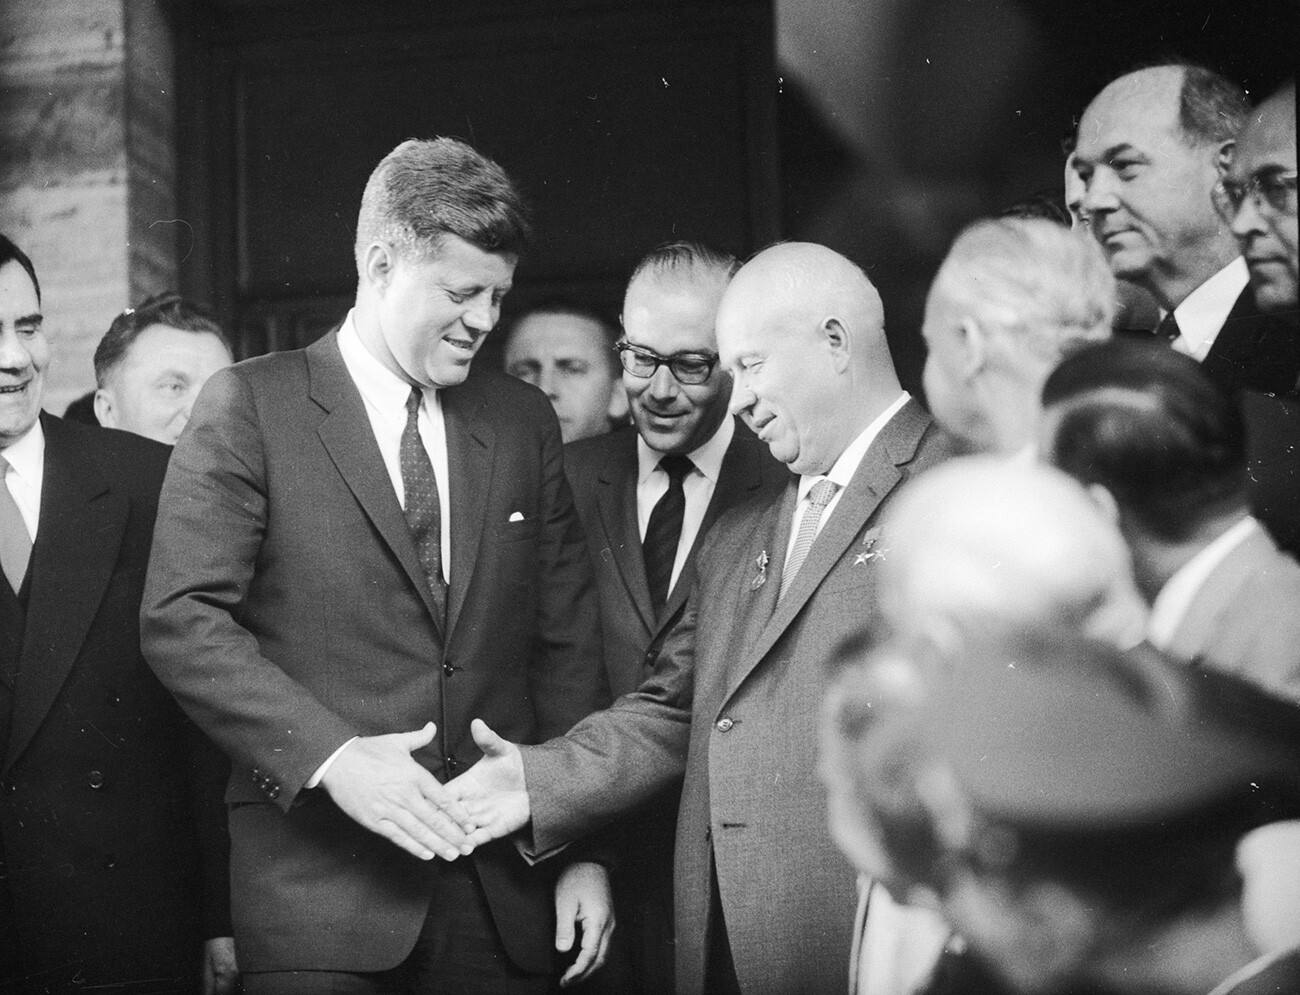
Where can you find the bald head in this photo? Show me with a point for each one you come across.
(1012, 298)
(1148, 151)
(802, 330)
(982, 545)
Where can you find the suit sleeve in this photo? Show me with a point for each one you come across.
(617, 758)
(211, 520)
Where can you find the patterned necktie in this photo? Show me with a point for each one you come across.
(818, 498)
(15, 541)
(423, 511)
(1168, 329)
(664, 531)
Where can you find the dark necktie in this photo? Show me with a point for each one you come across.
(665, 530)
(1168, 329)
(15, 542)
(423, 512)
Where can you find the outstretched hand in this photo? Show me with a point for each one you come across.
(378, 784)
(492, 793)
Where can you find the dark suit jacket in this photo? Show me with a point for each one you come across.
(287, 610)
(603, 474)
(101, 801)
(1254, 350)
(733, 705)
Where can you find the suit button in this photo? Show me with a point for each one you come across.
(115, 699)
(724, 725)
(452, 763)
(110, 861)
(96, 779)
(448, 669)
(273, 792)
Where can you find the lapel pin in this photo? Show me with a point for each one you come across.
(869, 551)
(760, 578)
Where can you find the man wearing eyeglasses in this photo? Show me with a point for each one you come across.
(646, 496)
(1151, 149)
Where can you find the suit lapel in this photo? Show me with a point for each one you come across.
(471, 448)
(77, 543)
(346, 434)
(875, 477)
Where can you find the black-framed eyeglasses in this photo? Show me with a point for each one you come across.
(1272, 191)
(689, 368)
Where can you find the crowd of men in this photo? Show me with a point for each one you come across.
(690, 653)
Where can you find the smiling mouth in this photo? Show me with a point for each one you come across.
(465, 345)
(15, 388)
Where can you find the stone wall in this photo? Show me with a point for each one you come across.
(87, 165)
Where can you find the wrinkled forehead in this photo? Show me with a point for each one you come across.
(1267, 143)
(672, 315)
(557, 335)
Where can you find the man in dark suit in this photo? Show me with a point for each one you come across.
(764, 902)
(361, 545)
(114, 863)
(1150, 151)
(646, 496)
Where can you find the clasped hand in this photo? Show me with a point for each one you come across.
(377, 783)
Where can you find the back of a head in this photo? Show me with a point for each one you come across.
(984, 544)
(1212, 109)
(1147, 424)
(167, 309)
(1047, 286)
(423, 191)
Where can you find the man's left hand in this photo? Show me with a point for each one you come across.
(583, 899)
(220, 972)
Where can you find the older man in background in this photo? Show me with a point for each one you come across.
(1011, 299)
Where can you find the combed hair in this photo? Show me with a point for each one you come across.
(168, 309)
(423, 191)
(1211, 108)
(692, 260)
(559, 304)
(10, 253)
(1036, 277)
(1147, 424)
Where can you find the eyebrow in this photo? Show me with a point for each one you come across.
(30, 319)
(1108, 154)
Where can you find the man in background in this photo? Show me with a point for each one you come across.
(566, 350)
(111, 821)
(151, 364)
(1012, 297)
(647, 495)
(1150, 151)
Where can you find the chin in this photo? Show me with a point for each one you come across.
(1272, 295)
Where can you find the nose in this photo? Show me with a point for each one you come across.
(663, 385)
(742, 398)
(1248, 220)
(13, 355)
(548, 382)
(1098, 194)
(481, 316)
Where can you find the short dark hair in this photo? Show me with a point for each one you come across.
(686, 258)
(1147, 424)
(168, 309)
(1046, 205)
(1211, 108)
(10, 253)
(562, 305)
(423, 191)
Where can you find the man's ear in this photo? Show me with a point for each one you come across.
(617, 411)
(1227, 150)
(836, 336)
(1104, 500)
(377, 265)
(975, 348)
(105, 413)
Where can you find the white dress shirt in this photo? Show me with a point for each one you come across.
(385, 394)
(1201, 315)
(26, 473)
(698, 486)
(1175, 598)
(841, 473)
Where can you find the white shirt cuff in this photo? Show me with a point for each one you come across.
(315, 779)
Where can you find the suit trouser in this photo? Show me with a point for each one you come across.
(458, 951)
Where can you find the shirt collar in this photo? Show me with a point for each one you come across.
(380, 386)
(844, 468)
(1202, 313)
(27, 455)
(707, 457)
(1173, 600)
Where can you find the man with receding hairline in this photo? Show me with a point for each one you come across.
(1150, 150)
(362, 545)
(764, 903)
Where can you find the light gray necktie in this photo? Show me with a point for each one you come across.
(818, 498)
(15, 542)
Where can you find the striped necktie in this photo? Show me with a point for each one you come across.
(818, 498)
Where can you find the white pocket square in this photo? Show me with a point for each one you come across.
(516, 516)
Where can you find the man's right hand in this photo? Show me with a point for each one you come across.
(375, 781)
(493, 791)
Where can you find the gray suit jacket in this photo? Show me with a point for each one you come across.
(733, 704)
(1245, 619)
